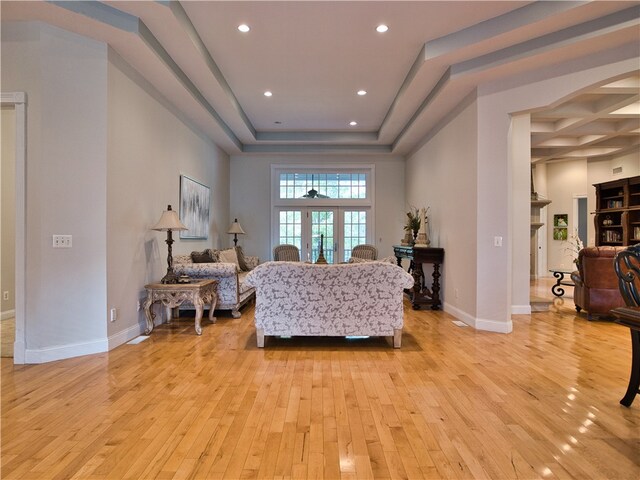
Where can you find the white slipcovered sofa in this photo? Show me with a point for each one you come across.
(233, 293)
(294, 298)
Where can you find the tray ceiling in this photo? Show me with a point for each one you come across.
(315, 56)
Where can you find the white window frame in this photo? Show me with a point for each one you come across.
(340, 204)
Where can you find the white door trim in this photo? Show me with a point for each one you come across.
(19, 101)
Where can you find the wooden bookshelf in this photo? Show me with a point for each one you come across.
(617, 216)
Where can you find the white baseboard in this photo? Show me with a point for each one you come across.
(62, 352)
(521, 309)
(479, 323)
(494, 326)
(124, 336)
(459, 314)
(7, 315)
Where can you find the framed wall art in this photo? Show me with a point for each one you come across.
(194, 208)
(560, 226)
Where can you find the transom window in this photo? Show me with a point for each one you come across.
(332, 201)
(323, 185)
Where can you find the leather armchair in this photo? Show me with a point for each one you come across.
(596, 283)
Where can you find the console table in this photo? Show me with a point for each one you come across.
(172, 295)
(420, 294)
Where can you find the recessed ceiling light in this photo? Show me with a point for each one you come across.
(362, 92)
(267, 93)
(382, 28)
(353, 124)
(244, 28)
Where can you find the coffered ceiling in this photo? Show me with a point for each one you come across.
(314, 56)
(600, 122)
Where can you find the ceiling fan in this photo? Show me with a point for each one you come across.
(313, 193)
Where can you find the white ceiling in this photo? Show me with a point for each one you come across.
(315, 56)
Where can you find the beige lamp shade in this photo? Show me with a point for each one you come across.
(236, 228)
(169, 221)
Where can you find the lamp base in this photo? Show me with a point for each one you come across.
(169, 278)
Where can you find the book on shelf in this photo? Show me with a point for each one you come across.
(614, 203)
(611, 236)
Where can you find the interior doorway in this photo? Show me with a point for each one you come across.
(17, 105)
(7, 230)
(581, 217)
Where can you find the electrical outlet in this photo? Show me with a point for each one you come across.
(497, 241)
(5, 295)
(114, 314)
(62, 241)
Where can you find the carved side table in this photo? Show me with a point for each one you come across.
(201, 293)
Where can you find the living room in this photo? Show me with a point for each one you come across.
(128, 130)
(105, 149)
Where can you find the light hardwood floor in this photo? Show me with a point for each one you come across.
(541, 402)
(7, 336)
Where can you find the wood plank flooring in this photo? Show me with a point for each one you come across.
(7, 337)
(453, 403)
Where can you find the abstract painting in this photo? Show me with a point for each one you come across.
(194, 208)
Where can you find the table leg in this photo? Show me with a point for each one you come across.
(199, 305)
(435, 289)
(149, 315)
(556, 289)
(212, 308)
(634, 379)
(417, 285)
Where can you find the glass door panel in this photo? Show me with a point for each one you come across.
(354, 231)
(290, 228)
(343, 229)
(323, 222)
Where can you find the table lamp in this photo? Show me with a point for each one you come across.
(236, 229)
(169, 221)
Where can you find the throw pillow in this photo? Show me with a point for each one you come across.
(203, 257)
(359, 260)
(242, 263)
(229, 256)
(390, 259)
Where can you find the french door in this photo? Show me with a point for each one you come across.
(343, 228)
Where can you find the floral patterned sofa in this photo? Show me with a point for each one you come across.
(233, 292)
(294, 298)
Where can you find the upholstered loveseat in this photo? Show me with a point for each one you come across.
(294, 298)
(233, 293)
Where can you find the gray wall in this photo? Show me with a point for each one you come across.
(442, 176)
(103, 160)
(64, 76)
(148, 149)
